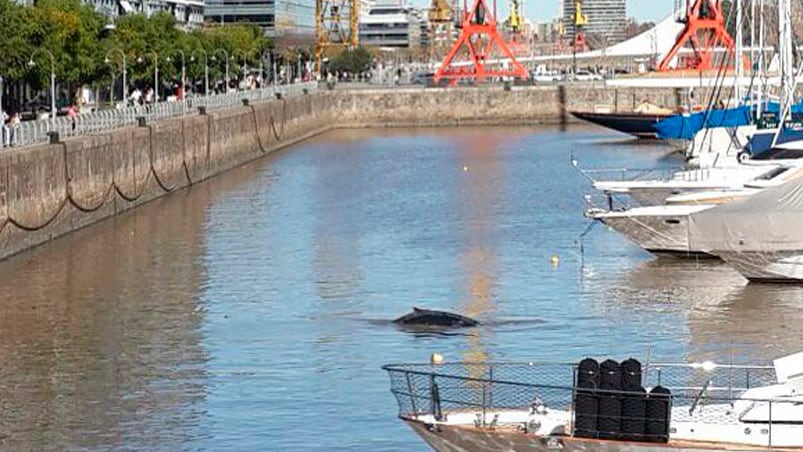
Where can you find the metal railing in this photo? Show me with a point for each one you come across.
(595, 175)
(700, 396)
(39, 131)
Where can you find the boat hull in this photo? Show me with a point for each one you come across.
(638, 125)
(657, 234)
(778, 267)
(446, 438)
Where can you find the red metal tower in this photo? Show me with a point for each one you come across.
(706, 33)
(479, 36)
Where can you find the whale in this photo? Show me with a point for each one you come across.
(431, 318)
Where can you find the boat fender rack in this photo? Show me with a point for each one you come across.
(610, 403)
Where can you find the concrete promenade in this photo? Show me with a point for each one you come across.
(52, 189)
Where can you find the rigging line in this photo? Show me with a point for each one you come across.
(144, 184)
(45, 224)
(184, 155)
(68, 187)
(256, 129)
(5, 221)
(153, 164)
(284, 121)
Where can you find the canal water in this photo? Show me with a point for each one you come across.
(252, 312)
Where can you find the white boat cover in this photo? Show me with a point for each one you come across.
(657, 41)
(768, 221)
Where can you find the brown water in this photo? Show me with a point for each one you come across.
(252, 312)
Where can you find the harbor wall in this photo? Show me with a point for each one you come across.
(49, 190)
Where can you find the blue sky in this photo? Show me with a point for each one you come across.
(640, 9)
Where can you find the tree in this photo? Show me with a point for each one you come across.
(80, 39)
(69, 30)
(352, 61)
(14, 46)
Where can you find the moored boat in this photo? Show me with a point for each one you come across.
(641, 125)
(608, 406)
(758, 236)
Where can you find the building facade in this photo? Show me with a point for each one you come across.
(288, 22)
(188, 13)
(606, 19)
(390, 24)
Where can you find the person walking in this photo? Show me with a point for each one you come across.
(149, 95)
(72, 113)
(4, 130)
(136, 97)
(13, 125)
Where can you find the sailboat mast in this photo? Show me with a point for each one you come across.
(786, 56)
(739, 51)
(785, 50)
(762, 73)
(752, 32)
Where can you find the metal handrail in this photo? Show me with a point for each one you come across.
(416, 386)
(38, 131)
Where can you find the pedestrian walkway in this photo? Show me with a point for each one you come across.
(18, 134)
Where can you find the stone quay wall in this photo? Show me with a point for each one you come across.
(49, 190)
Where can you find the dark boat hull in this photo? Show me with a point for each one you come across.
(638, 125)
(456, 439)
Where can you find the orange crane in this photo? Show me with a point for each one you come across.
(580, 21)
(705, 32)
(336, 26)
(481, 42)
(441, 23)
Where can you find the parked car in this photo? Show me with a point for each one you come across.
(587, 76)
(423, 78)
(428, 79)
(546, 77)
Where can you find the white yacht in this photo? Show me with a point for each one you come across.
(759, 236)
(655, 192)
(664, 229)
(603, 407)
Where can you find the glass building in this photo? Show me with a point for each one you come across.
(188, 13)
(288, 22)
(607, 18)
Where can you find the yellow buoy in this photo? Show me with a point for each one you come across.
(554, 260)
(436, 358)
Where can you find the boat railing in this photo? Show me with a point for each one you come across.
(598, 175)
(699, 393)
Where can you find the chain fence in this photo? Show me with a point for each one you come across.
(39, 131)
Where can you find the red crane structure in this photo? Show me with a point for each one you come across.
(707, 34)
(481, 40)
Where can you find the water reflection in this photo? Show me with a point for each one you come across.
(101, 331)
(478, 195)
(253, 311)
(726, 318)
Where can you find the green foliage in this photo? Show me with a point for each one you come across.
(15, 47)
(87, 51)
(353, 61)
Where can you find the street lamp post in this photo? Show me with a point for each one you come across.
(273, 66)
(125, 79)
(183, 73)
(245, 66)
(300, 74)
(206, 69)
(261, 73)
(155, 73)
(52, 78)
(226, 54)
